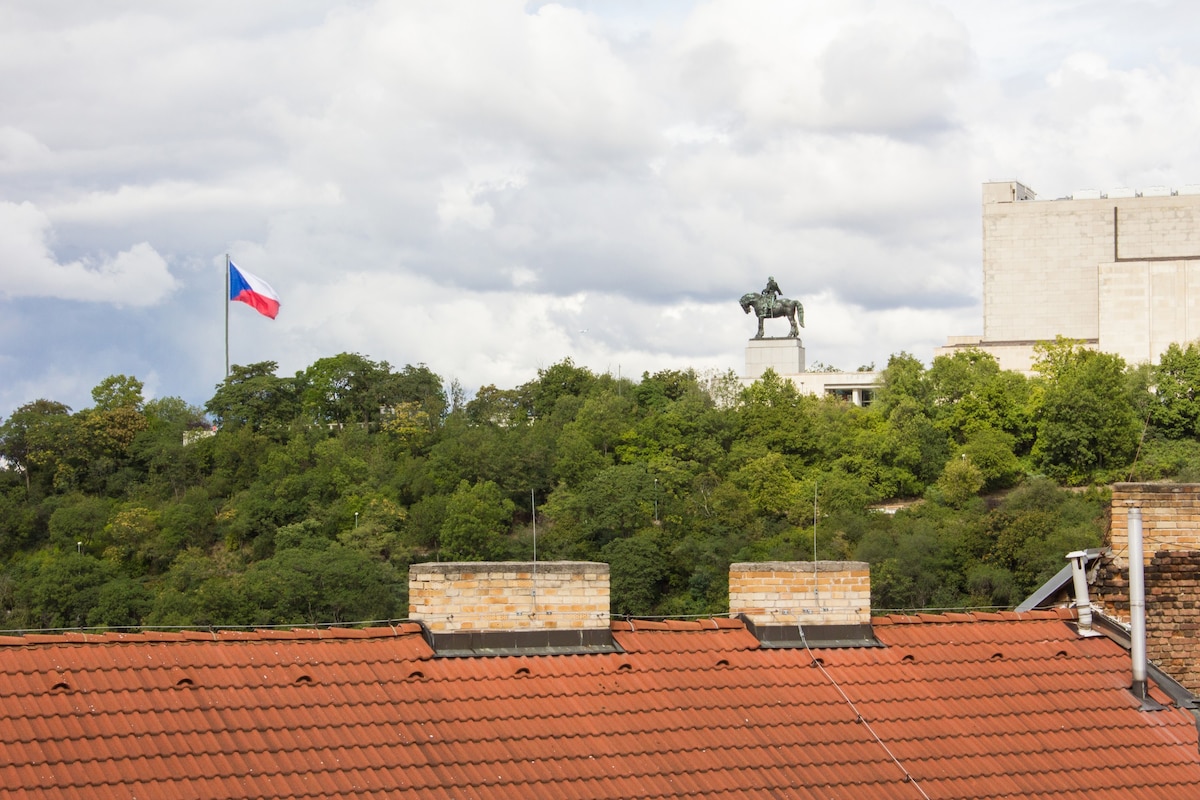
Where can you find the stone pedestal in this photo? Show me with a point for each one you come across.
(784, 355)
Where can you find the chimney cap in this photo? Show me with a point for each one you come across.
(800, 566)
(545, 567)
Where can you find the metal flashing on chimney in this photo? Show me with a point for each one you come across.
(811, 636)
(535, 642)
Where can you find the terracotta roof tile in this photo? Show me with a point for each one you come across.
(980, 705)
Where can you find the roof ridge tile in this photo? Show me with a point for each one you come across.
(401, 630)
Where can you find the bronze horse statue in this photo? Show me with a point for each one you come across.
(764, 308)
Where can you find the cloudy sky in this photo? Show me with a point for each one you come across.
(489, 187)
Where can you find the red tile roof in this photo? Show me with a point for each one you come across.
(954, 706)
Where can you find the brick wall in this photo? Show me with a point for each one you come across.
(1170, 517)
(801, 592)
(1171, 558)
(509, 596)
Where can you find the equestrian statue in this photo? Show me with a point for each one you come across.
(769, 305)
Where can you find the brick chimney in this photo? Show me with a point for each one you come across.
(1171, 557)
(488, 607)
(830, 601)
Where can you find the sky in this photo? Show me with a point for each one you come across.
(491, 187)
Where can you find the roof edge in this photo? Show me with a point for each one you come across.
(1172, 688)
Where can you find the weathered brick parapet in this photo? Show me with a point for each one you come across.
(509, 596)
(1172, 610)
(1170, 517)
(801, 592)
(1171, 559)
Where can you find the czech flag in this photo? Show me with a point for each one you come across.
(253, 291)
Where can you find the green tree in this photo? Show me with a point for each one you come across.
(904, 376)
(345, 388)
(476, 519)
(418, 384)
(32, 437)
(190, 520)
(769, 485)
(665, 386)
(21, 522)
(409, 423)
(578, 460)
(79, 520)
(969, 391)
(639, 569)
(202, 588)
(588, 443)
(118, 391)
(58, 589)
(108, 436)
(1088, 424)
(1054, 359)
(555, 382)
(173, 412)
(616, 502)
(253, 396)
(1175, 409)
(961, 481)
(912, 444)
(311, 579)
(991, 451)
(502, 407)
(170, 463)
(130, 537)
(603, 419)
(1037, 524)
(919, 557)
(122, 602)
(776, 418)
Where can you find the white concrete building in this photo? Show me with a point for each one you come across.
(1119, 270)
(786, 357)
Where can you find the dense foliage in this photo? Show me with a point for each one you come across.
(303, 499)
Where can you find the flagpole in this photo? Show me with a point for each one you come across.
(227, 316)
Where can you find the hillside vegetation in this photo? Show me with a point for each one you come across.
(303, 499)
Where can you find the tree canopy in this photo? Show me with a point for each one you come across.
(303, 499)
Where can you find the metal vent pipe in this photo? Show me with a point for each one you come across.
(1083, 604)
(1137, 603)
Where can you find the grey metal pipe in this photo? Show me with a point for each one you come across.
(1083, 604)
(1137, 603)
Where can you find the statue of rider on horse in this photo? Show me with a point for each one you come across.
(769, 304)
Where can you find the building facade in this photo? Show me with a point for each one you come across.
(1118, 270)
(786, 357)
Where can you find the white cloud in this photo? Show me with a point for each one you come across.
(20, 150)
(135, 277)
(473, 184)
(248, 194)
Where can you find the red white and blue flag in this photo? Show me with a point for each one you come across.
(253, 291)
